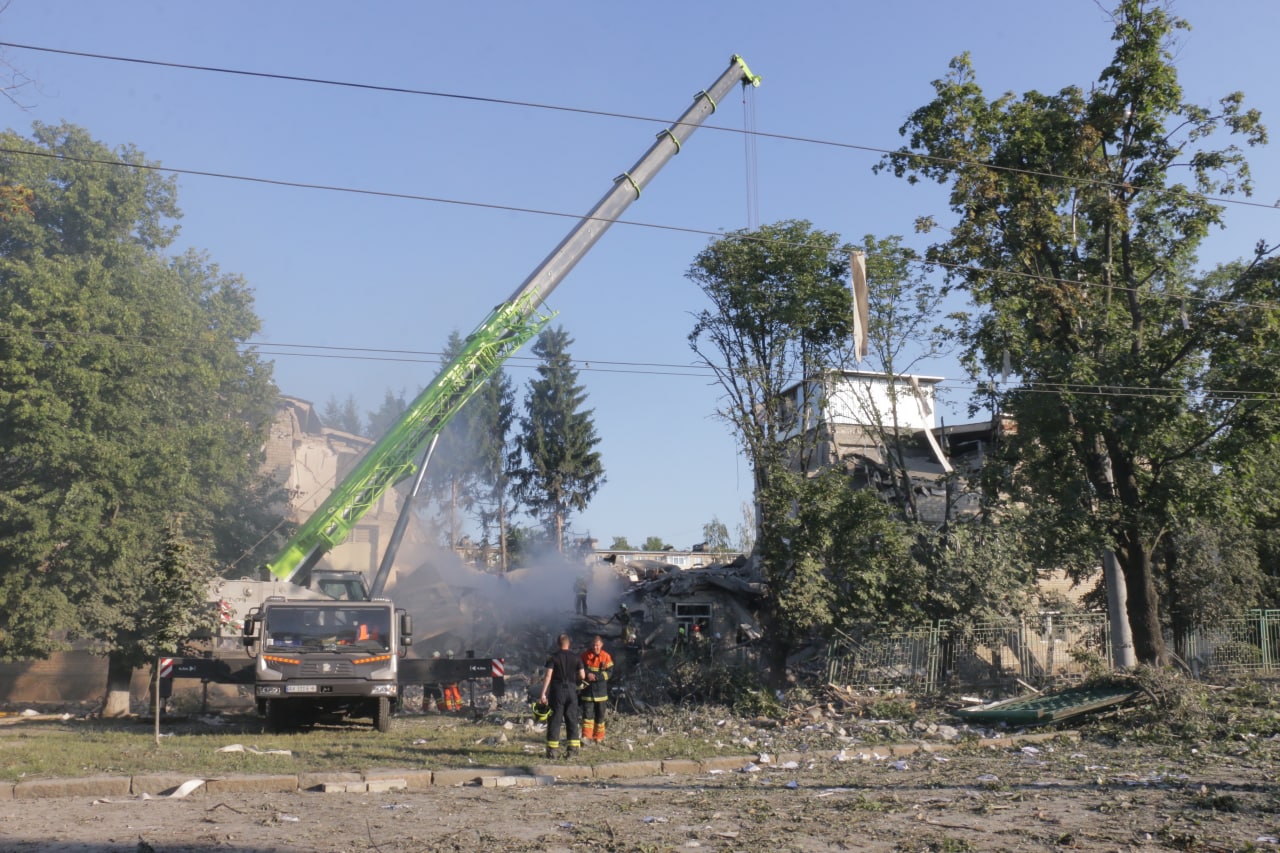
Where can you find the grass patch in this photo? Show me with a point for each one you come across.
(90, 747)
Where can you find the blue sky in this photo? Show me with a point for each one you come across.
(373, 274)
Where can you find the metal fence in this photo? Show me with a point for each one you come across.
(1049, 648)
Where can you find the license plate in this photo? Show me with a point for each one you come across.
(300, 688)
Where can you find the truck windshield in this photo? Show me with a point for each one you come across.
(327, 628)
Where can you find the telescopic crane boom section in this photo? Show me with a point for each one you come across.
(505, 330)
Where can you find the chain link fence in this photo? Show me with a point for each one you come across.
(1051, 648)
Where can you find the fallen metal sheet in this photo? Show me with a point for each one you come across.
(1051, 708)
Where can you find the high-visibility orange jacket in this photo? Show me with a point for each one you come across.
(601, 665)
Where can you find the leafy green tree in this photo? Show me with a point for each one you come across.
(653, 543)
(1074, 237)
(1211, 573)
(838, 556)
(620, 543)
(127, 398)
(560, 469)
(715, 536)
(173, 604)
(780, 312)
(379, 422)
(343, 415)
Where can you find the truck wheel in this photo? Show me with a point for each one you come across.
(277, 719)
(382, 714)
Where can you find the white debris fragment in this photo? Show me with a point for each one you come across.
(653, 819)
(751, 767)
(185, 788)
(287, 818)
(793, 784)
(900, 764)
(988, 777)
(239, 747)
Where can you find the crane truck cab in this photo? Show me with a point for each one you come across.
(318, 659)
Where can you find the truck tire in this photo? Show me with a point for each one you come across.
(382, 714)
(277, 718)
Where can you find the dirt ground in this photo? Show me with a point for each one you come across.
(1086, 795)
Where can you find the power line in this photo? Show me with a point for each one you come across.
(575, 216)
(631, 367)
(356, 190)
(750, 130)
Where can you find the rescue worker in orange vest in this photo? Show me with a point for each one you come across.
(452, 696)
(598, 665)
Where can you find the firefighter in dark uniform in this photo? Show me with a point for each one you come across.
(560, 690)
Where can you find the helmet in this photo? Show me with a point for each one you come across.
(541, 711)
(435, 656)
(449, 653)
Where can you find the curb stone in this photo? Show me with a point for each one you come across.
(88, 786)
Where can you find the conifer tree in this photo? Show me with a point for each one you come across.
(560, 469)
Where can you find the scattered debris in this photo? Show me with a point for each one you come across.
(239, 747)
(1052, 707)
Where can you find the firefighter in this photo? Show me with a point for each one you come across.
(598, 665)
(580, 588)
(452, 696)
(624, 619)
(679, 644)
(560, 689)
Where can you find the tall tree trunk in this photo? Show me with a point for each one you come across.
(119, 675)
(1143, 603)
(776, 648)
(453, 513)
(502, 534)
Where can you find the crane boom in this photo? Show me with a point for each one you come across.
(508, 327)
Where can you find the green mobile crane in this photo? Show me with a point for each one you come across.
(307, 669)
